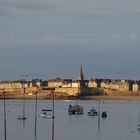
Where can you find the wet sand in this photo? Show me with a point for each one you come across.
(111, 97)
(32, 97)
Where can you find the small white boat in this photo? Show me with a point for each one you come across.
(92, 112)
(45, 113)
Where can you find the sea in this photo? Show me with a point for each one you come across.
(123, 118)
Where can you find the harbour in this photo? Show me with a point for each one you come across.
(121, 122)
(69, 70)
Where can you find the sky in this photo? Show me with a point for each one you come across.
(52, 38)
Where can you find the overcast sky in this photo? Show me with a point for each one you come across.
(49, 38)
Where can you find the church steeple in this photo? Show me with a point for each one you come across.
(80, 75)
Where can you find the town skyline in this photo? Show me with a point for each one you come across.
(79, 76)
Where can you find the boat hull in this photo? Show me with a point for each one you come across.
(21, 118)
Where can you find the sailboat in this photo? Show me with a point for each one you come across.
(22, 117)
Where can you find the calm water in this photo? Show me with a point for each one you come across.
(121, 123)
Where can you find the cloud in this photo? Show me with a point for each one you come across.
(60, 37)
(19, 7)
(105, 11)
(132, 36)
(71, 35)
(95, 9)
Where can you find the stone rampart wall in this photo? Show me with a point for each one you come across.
(67, 90)
(19, 90)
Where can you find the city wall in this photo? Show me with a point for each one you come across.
(77, 91)
(68, 90)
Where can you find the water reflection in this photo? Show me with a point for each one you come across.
(121, 123)
(99, 135)
(35, 137)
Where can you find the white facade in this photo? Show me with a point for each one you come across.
(135, 87)
(75, 84)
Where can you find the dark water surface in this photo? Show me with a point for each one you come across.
(121, 123)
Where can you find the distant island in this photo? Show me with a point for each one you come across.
(80, 88)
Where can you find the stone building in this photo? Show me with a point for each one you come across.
(10, 84)
(37, 83)
(105, 83)
(94, 83)
(136, 86)
(120, 85)
(77, 87)
(56, 82)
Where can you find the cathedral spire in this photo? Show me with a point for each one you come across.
(80, 75)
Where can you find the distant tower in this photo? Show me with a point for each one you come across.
(80, 75)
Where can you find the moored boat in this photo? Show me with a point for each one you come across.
(75, 110)
(104, 114)
(45, 113)
(92, 112)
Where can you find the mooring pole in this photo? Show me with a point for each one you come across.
(53, 116)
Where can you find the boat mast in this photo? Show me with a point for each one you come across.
(24, 102)
(53, 116)
(99, 114)
(35, 113)
(4, 117)
(23, 80)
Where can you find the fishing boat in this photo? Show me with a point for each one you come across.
(92, 112)
(75, 110)
(45, 113)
